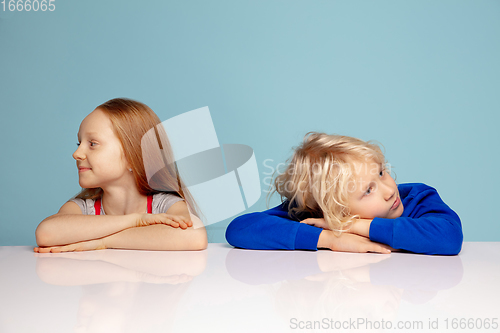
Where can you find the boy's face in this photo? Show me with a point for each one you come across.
(373, 193)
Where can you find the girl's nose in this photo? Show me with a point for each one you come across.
(78, 154)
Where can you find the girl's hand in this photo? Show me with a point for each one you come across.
(320, 223)
(175, 221)
(350, 243)
(95, 244)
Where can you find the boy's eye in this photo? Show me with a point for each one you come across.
(78, 143)
(369, 190)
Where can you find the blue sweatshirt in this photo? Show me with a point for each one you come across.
(426, 226)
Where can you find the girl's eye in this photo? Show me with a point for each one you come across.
(382, 173)
(369, 190)
(92, 144)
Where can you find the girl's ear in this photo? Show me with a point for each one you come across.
(128, 165)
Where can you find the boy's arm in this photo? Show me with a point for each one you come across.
(431, 228)
(432, 234)
(273, 230)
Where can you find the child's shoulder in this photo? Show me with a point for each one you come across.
(86, 205)
(415, 187)
(166, 196)
(412, 190)
(163, 201)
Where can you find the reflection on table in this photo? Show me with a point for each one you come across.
(223, 289)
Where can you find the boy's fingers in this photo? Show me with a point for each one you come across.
(380, 249)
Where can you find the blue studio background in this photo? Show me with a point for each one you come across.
(421, 77)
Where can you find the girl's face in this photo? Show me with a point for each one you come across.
(99, 157)
(373, 193)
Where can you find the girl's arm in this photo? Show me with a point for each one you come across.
(154, 237)
(69, 225)
(160, 237)
(148, 237)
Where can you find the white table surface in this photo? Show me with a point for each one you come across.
(223, 289)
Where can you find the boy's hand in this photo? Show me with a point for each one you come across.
(350, 243)
(317, 222)
(175, 221)
(360, 227)
(94, 244)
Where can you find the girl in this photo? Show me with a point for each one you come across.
(339, 189)
(117, 208)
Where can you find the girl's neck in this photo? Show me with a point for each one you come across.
(118, 201)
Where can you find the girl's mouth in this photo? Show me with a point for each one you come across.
(83, 169)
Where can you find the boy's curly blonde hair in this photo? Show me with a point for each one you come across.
(317, 178)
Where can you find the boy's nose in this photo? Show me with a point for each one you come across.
(388, 192)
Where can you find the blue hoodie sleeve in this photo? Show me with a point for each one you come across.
(272, 230)
(427, 225)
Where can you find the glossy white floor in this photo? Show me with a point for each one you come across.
(223, 289)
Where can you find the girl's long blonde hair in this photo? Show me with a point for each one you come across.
(317, 177)
(131, 120)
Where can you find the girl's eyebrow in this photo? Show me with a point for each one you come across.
(87, 134)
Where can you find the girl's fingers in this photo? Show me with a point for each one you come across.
(181, 222)
(57, 249)
(174, 221)
(171, 223)
(75, 247)
(47, 250)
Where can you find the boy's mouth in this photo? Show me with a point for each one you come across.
(396, 203)
(82, 169)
